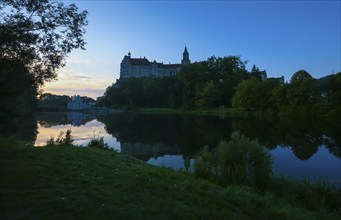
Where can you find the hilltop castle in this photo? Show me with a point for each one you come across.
(141, 67)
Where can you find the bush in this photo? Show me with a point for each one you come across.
(205, 165)
(61, 141)
(315, 194)
(239, 161)
(98, 142)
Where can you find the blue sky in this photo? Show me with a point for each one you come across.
(281, 37)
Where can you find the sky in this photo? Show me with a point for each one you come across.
(280, 37)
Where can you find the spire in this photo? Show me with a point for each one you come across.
(185, 57)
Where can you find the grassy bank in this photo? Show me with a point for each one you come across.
(89, 183)
(228, 112)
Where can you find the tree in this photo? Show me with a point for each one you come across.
(300, 76)
(59, 102)
(208, 96)
(225, 73)
(35, 38)
(302, 91)
(255, 94)
(18, 90)
(331, 92)
(248, 94)
(40, 33)
(279, 98)
(229, 72)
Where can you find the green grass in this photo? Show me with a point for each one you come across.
(66, 182)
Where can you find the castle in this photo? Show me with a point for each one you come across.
(141, 67)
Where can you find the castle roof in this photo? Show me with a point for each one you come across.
(139, 62)
(170, 66)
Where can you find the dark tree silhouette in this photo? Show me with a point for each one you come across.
(35, 38)
(40, 33)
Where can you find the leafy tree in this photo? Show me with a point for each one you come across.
(49, 100)
(18, 89)
(192, 78)
(300, 76)
(35, 38)
(152, 92)
(279, 98)
(208, 96)
(331, 92)
(225, 73)
(229, 72)
(254, 94)
(248, 94)
(40, 33)
(302, 91)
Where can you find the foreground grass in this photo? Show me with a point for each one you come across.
(66, 182)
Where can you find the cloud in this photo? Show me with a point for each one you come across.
(71, 82)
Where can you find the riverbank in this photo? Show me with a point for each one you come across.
(74, 182)
(228, 112)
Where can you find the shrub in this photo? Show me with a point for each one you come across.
(61, 141)
(238, 161)
(98, 142)
(205, 165)
(316, 194)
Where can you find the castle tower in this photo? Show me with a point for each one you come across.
(185, 58)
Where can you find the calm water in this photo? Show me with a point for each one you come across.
(301, 149)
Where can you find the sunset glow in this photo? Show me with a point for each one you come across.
(82, 134)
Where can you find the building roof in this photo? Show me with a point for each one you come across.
(170, 66)
(139, 62)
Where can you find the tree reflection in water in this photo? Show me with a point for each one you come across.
(151, 137)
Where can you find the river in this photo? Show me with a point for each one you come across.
(299, 148)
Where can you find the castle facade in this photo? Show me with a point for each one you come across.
(141, 67)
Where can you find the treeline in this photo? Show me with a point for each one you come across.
(48, 101)
(302, 95)
(225, 82)
(53, 102)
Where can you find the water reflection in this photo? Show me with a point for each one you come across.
(79, 118)
(303, 137)
(24, 128)
(146, 151)
(176, 162)
(187, 133)
(321, 164)
(83, 127)
(301, 148)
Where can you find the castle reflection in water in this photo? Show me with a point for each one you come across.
(146, 151)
